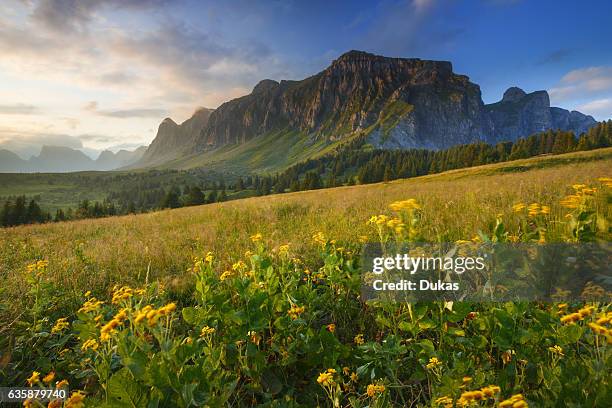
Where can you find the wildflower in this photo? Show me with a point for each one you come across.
(331, 327)
(34, 378)
(326, 379)
(556, 350)
(467, 380)
(207, 331)
(358, 339)
(533, 209)
(599, 329)
(187, 340)
(225, 275)
(446, 401)
(518, 207)
(409, 205)
(256, 238)
(319, 238)
(167, 309)
(61, 325)
(571, 318)
(240, 265)
(363, 239)
(606, 180)
(283, 249)
(91, 305)
(295, 311)
(61, 384)
(75, 400)
(254, 337)
(90, 344)
(121, 294)
(374, 389)
(515, 401)
(49, 377)
(142, 314)
(433, 363)
(354, 377)
(545, 210)
(571, 201)
(56, 403)
(87, 294)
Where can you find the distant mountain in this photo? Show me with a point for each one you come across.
(60, 159)
(393, 102)
(522, 114)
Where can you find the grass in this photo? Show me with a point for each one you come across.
(458, 203)
(273, 315)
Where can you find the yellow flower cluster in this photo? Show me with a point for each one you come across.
(226, 275)
(374, 389)
(606, 180)
(75, 400)
(358, 339)
(210, 257)
(577, 316)
(599, 328)
(256, 238)
(379, 220)
(446, 401)
(283, 249)
(61, 384)
(49, 377)
(331, 327)
(515, 401)
(408, 205)
(433, 363)
(153, 315)
(238, 266)
(207, 331)
(319, 238)
(533, 209)
(295, 311)
(484, 393)
(121, 294)
(581, 194)
(60, 325)
(110, 328)
(90, 344)
(39, 267)
(557, 350)
(326, 378)
(92, 305)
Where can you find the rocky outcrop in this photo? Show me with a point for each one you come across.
(396, 102)
(359, 91)
(520, 114)
(108, 160)
(173, 140)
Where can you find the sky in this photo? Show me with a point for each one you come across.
(102, 74)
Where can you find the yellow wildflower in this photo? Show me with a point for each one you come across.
(90, 344)
(358, 339)
(295, 311)
(331, 327)
(374, 389)
(207, 331)
(433, 363)
(75, 400)
(226, 275)
(61, 325)
(409, 204)
(256, 238)
(49, 377)
(326, 379)
(61, 384)
(556, 350)
(518, 207)
(34, 378)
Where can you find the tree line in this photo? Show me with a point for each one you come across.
(355, 162)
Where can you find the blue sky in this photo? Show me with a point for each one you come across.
(102, 74)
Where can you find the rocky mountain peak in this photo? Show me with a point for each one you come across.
(513, 94)
(265, 85)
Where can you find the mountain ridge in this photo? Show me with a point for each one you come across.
(394, 102)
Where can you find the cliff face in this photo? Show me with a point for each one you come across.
(396, 102)
(356, 92)
(519, 114)
(173, 141)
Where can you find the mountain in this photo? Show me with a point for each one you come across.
(108, 160)
(60, 159)
(392, 102)
(174, 141)
(522, 114)
(10, 162)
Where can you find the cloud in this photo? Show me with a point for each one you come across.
(18, 109)
(601, 108)
(28, 143)
(75, 15)
(92, 106)
(583, 83)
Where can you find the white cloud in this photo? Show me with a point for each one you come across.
(583, 82)
(601, 108)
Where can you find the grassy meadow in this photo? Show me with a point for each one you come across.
(254, 302)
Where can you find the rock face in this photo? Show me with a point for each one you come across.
(396, 102)
(423, 99)
(108, 160)
(173, 141)
(520, 114)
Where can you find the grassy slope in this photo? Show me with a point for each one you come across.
(457, 204)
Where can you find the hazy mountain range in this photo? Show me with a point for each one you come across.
(396, 102)
(57, 159)
(392, 102)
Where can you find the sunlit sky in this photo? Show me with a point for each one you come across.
(102, 74)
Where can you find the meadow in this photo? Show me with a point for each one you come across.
(255, 302)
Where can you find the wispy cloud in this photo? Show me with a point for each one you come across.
(584, 82)
(18, 109)
(601, 108)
